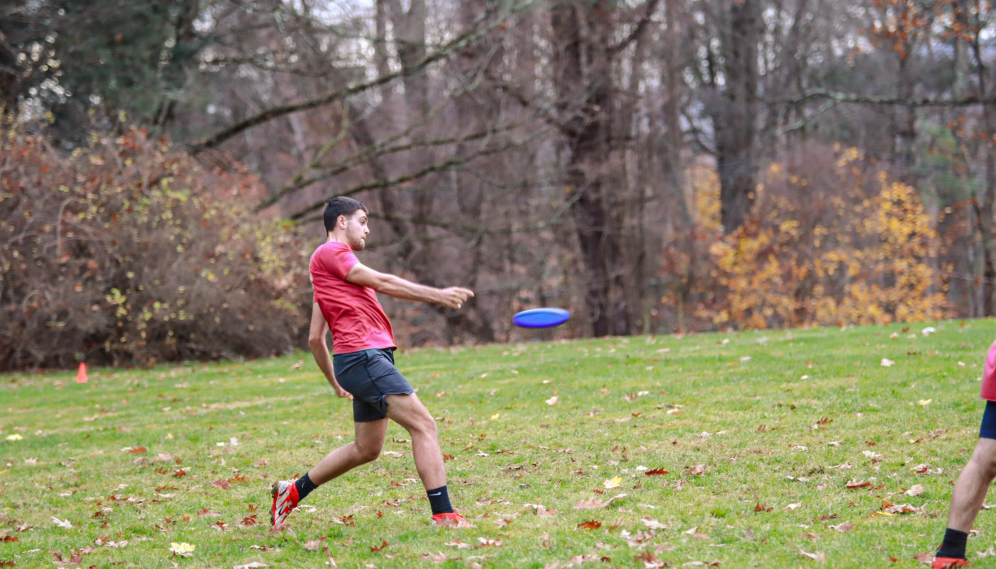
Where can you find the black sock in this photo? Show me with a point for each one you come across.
(954, 544)
(439, 501)
(304, 486)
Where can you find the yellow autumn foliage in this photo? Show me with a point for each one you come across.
(845, 245)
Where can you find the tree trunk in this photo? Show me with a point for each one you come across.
(735, 122)
(583, 79)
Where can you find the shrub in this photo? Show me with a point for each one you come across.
(833, 240)
(127, 252)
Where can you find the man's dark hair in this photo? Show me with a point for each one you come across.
(340, 206)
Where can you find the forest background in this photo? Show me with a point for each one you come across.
(655, 166)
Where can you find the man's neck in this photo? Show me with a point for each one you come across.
(334, 238)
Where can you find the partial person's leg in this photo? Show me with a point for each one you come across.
(969, 494)
(408, 411)
(973, 483)
(364, 448)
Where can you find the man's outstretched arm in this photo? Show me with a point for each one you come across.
(395, 286)
(319, 349)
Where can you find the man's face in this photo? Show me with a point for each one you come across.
(356, 229)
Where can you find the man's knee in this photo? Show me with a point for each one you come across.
(423, 422)
(368, 453)
(984, 457)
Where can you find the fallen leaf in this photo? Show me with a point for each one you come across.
(987, 553)
(924, 402)
(904, 509)
(62, 523)
(793, 506)
(856, 485)
(437, 557)
(652, 523)
(649, 560)
(656, 472)
(697, 470)
(223, 484)
(927, 558)
(613, 482)
(916, 490)
(458, 544)
(252, 565)
(818, 556)
(592, 524)
(375, 549)
(886, 362)
(551, 401)
(489, 542)
(842, 528)
(182, 549)
(313, 545)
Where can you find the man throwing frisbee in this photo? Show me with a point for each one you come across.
(362, 368)
(970, 489)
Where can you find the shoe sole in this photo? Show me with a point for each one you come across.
(274, 488)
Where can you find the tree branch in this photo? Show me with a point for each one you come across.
(877, 100)
(640, 26)
(411, 176)
(475, 32)
(372, 152)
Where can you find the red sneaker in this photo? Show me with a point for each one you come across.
(948, 562)
(285, 499)
(451, 520)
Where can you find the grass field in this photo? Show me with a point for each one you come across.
(731, 448)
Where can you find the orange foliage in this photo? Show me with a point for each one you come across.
(830, 243)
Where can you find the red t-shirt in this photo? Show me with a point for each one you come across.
(355, 317)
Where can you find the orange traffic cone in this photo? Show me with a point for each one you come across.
(81, 374)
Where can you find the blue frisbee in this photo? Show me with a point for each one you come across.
(541, 318)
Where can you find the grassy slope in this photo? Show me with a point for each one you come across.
(536, 453)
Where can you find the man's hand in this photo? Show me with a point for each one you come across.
(454, 297)
(342, 393)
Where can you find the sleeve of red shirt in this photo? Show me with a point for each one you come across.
(337, 260)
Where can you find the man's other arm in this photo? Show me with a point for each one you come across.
(395, 286)
(319, 349)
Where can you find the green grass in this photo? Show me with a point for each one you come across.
(752, 425)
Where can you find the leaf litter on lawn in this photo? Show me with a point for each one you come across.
(709, 498)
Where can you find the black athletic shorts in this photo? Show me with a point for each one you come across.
(370, 376)
(988, 428)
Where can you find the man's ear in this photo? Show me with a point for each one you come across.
(342, 222)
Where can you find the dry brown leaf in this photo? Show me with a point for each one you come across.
(855, 485)
(652, 523)
(916, 490)
(817, 556)
(436, 557)
(592, 504)
(312, 545)
(843, 528)
(589, 525)
(458, 544)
